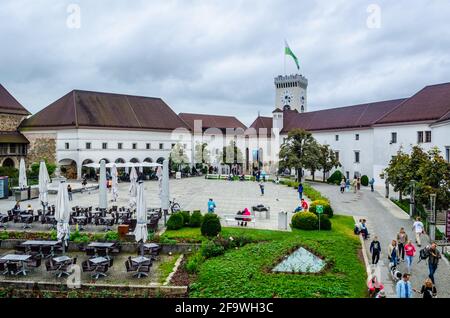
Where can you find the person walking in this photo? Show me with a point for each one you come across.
(211, 205)
(354, 185)
(342, 186)
(358, 183)
(375, 249)
(402, 238)
(69, 191)
(428, 289)
(393, 253)
(418, 229)
(403, 288)
(300, 190)
(372, 182)
(261, 187)
(410, 251)
(347, 185)
(433, 260)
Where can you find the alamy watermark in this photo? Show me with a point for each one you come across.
(374, 19)
(73, 20)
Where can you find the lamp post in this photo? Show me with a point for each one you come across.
(387, 185)
(412, 198)
(433, 217)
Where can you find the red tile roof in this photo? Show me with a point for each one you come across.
(10, 105)
(430, 104)
(212, 121)
(12, 137)
(106, 110)
(357, 116)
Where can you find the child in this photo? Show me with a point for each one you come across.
(261, 187)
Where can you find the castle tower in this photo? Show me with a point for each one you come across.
(291, 92)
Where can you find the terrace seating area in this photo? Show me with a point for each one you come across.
(84, 217)
(29, 256)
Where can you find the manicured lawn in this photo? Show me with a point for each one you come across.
(166, 267)
(245, 272)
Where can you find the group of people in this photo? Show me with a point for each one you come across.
(361, 228)
(355, 184)
(400, 250)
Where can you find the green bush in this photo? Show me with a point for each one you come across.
(305, 221)
(210, 225)
(325, 223)
(4, 235)
(326, 207)
(365, 180)
(335, 178)
(112, 236)
(53, 235)
(313, 194)
(211, 249)
(194, 262)
(186, 217)
(175, 221)
(166, 240)
(196, 219)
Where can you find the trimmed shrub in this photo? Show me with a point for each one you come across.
(325, 223)
(335, 178)
(210, 225)
(365, 180)
(175, 221)
(326, 207)
(196, 219)
(305, 221)
(312, 193)
(211, 249)
(111, 236)
(186, 217)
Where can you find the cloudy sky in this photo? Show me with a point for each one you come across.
(221, 57)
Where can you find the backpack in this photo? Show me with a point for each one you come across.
(424, 253)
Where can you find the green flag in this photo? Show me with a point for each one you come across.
(288, 51)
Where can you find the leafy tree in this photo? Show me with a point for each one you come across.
(292, 152)
(35, 169)
(312, 156)
(230, 155)
(398, 172)
(434, 177)
(178, 157)
(327, 160)
(202, 154)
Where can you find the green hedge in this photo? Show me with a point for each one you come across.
(309, 221)
(186, 217)
(210, 225)
(326, 207)
(335, 178)
(365, 180)
(175, 221)
(196, 219)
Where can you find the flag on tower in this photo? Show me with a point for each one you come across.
(288, 51)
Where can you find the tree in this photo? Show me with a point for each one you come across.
(433, 177)
(178, 157)
(230, 155)
(327, 160)
(293, 150)
(311, 157)
(398, 173)
(202, 154)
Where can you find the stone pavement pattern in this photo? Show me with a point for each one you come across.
(385, 219)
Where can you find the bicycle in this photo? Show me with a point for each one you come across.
(174, 206)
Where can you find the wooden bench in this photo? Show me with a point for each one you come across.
(233, 217)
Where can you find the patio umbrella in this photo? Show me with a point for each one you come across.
(165, 186)
(133, 187)
(62, 214)
(140, 232)
(44, 180)
(22, 175)
(115, 183)
(103, 201)
(159, 175)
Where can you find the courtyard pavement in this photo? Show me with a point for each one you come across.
(384, 219)
(193, 194)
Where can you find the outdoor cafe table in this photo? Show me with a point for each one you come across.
(60, 261)
(151, 246)
(105, 245)
(97, 261)
(40, 243)
(139, 261)
(20, 258)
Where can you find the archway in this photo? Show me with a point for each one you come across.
(68, 168)
(8, 162)
(134, 160)
(88, 172)
(160, 160)
(148, 170)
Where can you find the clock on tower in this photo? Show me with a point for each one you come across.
(291, 92)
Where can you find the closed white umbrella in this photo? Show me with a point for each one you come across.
(62, 214)
(165, 186)
(115, 183)
(159, 175)
(133, 187)
(44, 180)
(102, 200)
(140, 232)
(22, 175)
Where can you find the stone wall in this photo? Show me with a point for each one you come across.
(42, 146)
(10, 122)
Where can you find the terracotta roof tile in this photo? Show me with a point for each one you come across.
(212, 121)
(10, 105)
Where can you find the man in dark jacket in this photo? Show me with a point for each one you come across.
(375, 249)
(300, 191)
(433, 260)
